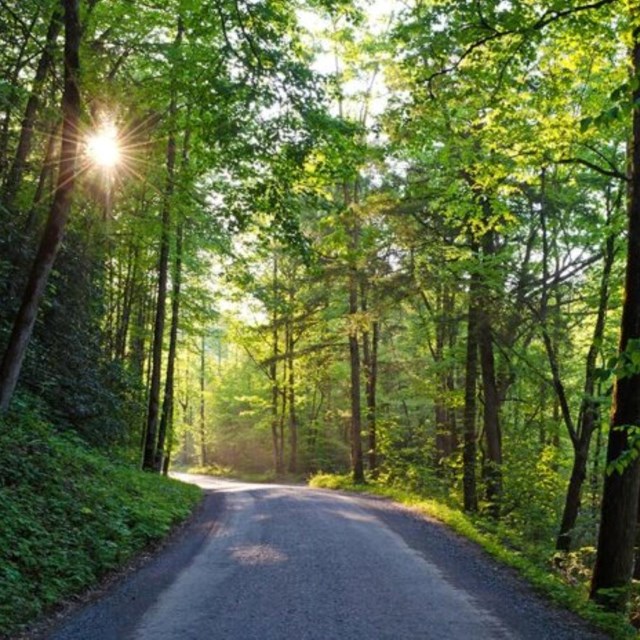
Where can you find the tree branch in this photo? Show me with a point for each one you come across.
(611, 173)
(547, 18)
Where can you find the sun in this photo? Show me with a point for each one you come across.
(103, 147)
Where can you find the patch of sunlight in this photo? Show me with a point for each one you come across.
(353, 515)
(257, 554)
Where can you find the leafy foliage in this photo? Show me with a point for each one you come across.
(69, 515)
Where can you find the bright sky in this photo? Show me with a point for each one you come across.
(379, 13)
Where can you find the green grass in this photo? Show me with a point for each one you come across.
(244, 476)
(572, 597)
(69, 515)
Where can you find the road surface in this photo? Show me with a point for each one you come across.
(272, 562)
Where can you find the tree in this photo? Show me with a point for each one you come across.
(616, 540)
(149, 461)
(58, 214)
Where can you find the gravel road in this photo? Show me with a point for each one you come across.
(272, 562)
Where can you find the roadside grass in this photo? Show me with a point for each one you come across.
(69, 515)
(528, 561)
(244, 476)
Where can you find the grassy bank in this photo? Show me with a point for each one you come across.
(230, 473)
(527, 561)
(69, 515)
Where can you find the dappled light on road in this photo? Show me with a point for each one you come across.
(257, 554)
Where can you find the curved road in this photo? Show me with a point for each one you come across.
(271, 562)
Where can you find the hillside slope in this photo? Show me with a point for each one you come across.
(69, 515)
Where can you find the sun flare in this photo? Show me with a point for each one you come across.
(103, 148)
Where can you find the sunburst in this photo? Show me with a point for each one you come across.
(103, 147)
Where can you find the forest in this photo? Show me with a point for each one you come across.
(393, 243)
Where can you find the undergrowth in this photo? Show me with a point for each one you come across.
(561, 587)
(69, 515)
(220, 471)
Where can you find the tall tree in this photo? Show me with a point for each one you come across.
(27, 126)
(153, 414)
(616, 540)
(58, 214)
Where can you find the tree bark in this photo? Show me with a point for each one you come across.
(166, 460)
(616, 539)
(136, 355)
(444, 415)
(589, 410)
(451, 372)
(124, 320)
(58, 215)
(46, 171)
(371, 392)
(572, 500)
(278, 460)
(293, 419)
(283, 413)
(471, 375)
(491, 418)
(13, 81)
(203, 433)
(166, 420)
(440, 409)
(14, 176)
(492, 467)
(357, 463)
(167, 404)
(370, 342)
(151, 444)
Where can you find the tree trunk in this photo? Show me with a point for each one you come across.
(440, 408)
(357, 463)
(137, 339)
(589, 417)
(278, 460)
(596, 473)
(158, 331)
(166, 460)
(370, 341)
(572, 501)
(203, 438)
(167, 404)
(492, 467)
(166, 420)
(46, 171)
(124, 320)
(12, 80)
(471, 375)
(444, 414)
(372, 384)
(356, 420)
(616, 540)
(491, 418)
(293, 420)
(275, 398)
(151, 438)
(14, 176)
(450, 382)
(58, 215)
(283, 413)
